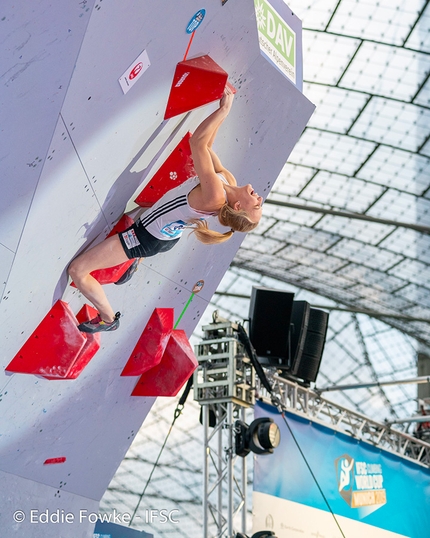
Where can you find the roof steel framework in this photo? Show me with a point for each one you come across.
(366, 150)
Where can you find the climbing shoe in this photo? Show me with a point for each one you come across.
(97, 325)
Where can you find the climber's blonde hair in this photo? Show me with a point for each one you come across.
(237, 221)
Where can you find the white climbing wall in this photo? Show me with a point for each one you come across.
(73, 151)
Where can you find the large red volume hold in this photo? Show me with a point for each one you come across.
(92, 345)
(176, 366)
(53, 347)
(151, 344)
(177, 168)
(196, 82)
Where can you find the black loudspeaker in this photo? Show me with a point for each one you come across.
(270, 318)
(299, 326)
(308, 365)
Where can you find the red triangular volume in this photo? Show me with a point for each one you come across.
(151, 344)
(196, 82)
(176, 366)
(91, 346)
(177, 168)
(53, 347)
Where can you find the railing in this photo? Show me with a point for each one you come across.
(305, 402)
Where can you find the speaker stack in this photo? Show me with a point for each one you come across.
(270, 316)
(287, 334)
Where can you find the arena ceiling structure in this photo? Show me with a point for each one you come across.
(345, 227)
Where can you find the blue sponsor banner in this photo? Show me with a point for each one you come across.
(360, 482)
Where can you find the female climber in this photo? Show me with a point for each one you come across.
(212, 193)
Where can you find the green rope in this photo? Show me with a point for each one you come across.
(183, 311)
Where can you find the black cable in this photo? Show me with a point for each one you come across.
(278, 403)
(246, 342)
(176, 415)
(186, 392)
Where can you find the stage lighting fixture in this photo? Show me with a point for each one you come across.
(262, 436)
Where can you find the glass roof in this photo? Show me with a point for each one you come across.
(366, 152)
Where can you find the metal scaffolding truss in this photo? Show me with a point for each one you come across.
(224, 385)
(309, 404)
(224, 474)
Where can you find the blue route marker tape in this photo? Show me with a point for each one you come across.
(196, 20)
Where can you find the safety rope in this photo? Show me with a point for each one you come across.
(177, 413)
(278, 404)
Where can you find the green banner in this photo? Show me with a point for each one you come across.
(277, 39)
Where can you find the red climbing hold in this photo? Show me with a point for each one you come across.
(176, 366)
(113, 274)
(92, 345)
(177, 168)
(52, 461)
(196, 82)
(53, 347)
(57, 349)
(151, 344)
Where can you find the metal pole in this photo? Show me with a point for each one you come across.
(220, 418)
(244, 483)
(350, 310)
(415, 380)
(419, 418)
(205, 413)
(348, 215)
(230, 469)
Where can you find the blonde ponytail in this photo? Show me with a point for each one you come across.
(237, 220)
(207, 236)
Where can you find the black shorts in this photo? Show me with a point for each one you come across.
(137, 242)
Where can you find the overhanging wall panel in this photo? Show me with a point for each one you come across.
(40, 45)
(49, 240)
(42, 499)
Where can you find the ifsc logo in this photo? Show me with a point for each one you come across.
(360, 483)
(345, 473)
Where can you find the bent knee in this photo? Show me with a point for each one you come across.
(76, 269)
